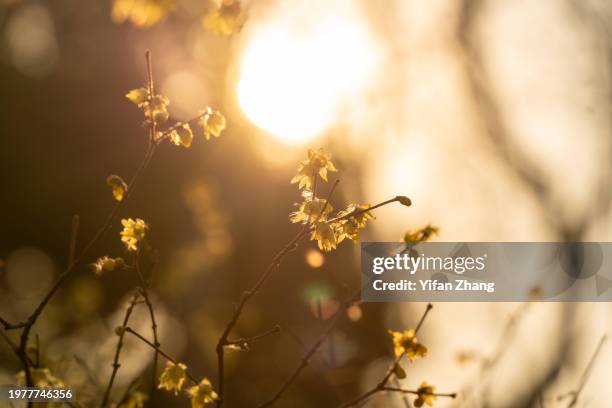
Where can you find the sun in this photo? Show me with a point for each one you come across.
(293, 82)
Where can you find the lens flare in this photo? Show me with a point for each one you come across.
(294, 81)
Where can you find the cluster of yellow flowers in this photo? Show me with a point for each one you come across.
(406, 343)
(155, 109)
(133, 232)
(173, 379)
(141, 13)
(225, 17)
(42, 378)
(426, 394)
(106, 264)
(421, 234)
(327, 231)
(135, 399)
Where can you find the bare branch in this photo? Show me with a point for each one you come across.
(160, 352)
(120, 333)
(382, 384)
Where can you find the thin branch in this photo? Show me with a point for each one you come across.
(382, 384)
(31, 320)
(246, 295)
(147, 300)
(5, 324)
(402, 199)
(244, 343)
(436, 394)
(164, 134)
(120, 333)
(160, 352)
(420, 323)
(587, 372)
(73, 239)
(313, 349)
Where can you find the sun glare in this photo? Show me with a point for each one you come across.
(294, 81)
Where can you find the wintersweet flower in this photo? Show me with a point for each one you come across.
(173, 377)
(182, 136)
(212, 123)
(406, 343)
(425, 395)
(202, 394)
(317, 163)
(133, 232)
(106, 264)
(226, 19)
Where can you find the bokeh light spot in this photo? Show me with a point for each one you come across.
(314, 258)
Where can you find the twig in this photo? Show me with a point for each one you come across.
(437, 394)
(382, 384)
(120, 333)
(364, 210)
(160, 352)
(244, 343)
(147, 300)
(310, 352)
(5, 324)
(587, 372)
(73, 239)
(164, 134)
(501, 347)
(31, 320)
(248, 294)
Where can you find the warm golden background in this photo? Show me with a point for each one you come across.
(495, 117)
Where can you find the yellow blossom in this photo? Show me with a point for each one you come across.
(133, 232)
(138, 96)
(202, 394)
(173, 377)
(106, 264)
(141, 13)
(349, 227)
(311, 210)
(421, 235)
(212, 123)
(156, 109)
(325, 235)
(41, 377)
(226, 19)
(407, 343)
(135, 400)
(182, 136)
(318, 162)
(117, 185)
(425, 395)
